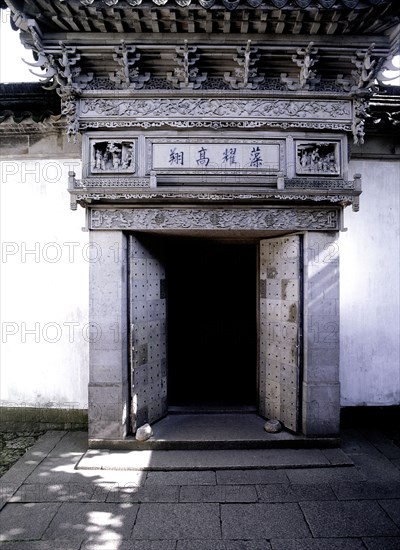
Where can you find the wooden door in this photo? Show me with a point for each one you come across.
(280, 329)
(148, 317)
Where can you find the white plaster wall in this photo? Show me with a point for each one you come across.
(369, 295)
(44, 294)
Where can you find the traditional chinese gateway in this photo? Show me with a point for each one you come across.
(216, 139)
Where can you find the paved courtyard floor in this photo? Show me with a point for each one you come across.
(49, 502)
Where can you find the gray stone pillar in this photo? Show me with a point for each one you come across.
(108, 348)
(320, 389)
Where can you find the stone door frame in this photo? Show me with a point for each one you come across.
(109, 392)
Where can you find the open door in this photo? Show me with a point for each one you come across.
(148, 317)
(279, 329)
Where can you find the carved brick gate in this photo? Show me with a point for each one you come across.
(221, 120)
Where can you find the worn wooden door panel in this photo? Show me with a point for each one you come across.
(148, 333)
(280, 329)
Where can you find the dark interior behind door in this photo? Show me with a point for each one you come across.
(212, 357)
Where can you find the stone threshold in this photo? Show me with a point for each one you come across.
(297, 442)
(212, 432)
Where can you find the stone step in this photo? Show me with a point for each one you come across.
(213, 459)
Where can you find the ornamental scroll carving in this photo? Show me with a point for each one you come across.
(109, 182)
(303, 183)
(137, 196)
(215, 124)
(215, 108)
(215, 218)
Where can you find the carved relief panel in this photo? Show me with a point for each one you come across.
(128, 165)
(111, 156)
(320, 158)
(215, 112)
(140, 153)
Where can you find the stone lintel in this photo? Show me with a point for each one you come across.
(215, 218)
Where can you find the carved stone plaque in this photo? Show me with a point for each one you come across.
(203, 155)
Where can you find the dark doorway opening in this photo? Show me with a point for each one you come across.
(212, 332)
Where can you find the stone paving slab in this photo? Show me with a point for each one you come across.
(318, 544)
(258, 521)
(56, 470)
(41, 545)
(211, 459)
(63, 492)
(150, 493)
(396, 462)
(392, 508)
(376, 467)
(179, 521)
(348, 519)
(94, 521)
(130, 545)
(223, 545)
(324, 475)
(382, 543)
(7, 490)
(181, 478)
(364, 490)
(294, 492)
(72, 444)
(26, 521)
(249, 477)
(62, 471)
(381, 442)
(337, 457)
(219, 493)
(353, 442)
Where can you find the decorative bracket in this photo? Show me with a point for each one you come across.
(186, 75)
(308, 79)
(69, 108)
(128, 76)
(246, 75)
(362, 79)
(360, 107)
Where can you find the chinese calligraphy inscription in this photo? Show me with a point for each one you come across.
(215, 155)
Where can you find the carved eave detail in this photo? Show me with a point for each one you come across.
(128, 75)
(176, 91)
(305, 59)
(186, 75)
(72, 71)
(362, 81)
(62, 73)
(246, 75)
